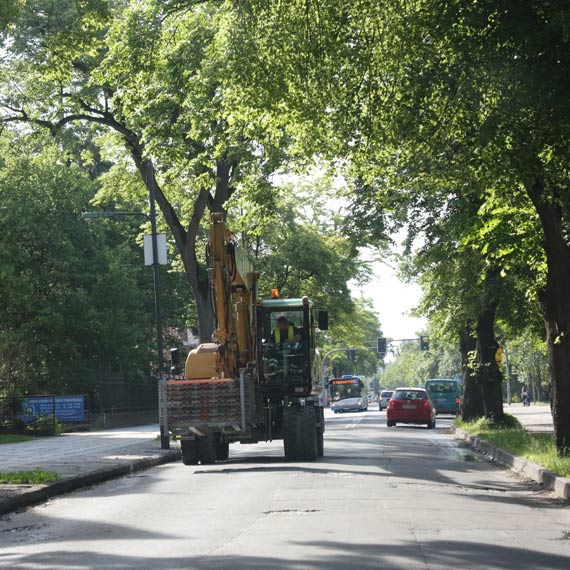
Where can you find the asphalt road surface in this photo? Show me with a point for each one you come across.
(401, 498)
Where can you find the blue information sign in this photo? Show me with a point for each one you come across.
(67, 408)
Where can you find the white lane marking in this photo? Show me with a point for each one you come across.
(355, 422)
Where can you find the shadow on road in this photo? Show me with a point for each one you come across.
(333, 555)
(375, 452)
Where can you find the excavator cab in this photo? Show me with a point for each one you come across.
(283, 350)
(288, 361)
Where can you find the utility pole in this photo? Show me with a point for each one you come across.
(161, 377)
(508, 372)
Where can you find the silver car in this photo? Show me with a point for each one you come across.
(384, 398)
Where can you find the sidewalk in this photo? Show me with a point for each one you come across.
(80, 459)
(533, 418)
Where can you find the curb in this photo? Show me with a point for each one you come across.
(43, 493)
(560, 485)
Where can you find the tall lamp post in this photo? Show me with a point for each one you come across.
(161, 377)
(164, 437)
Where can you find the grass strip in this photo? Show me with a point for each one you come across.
(539, 448)
(33, 477)
(14, 438)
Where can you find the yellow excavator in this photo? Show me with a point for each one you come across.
(260, 377)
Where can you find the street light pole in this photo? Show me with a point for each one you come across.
(161, 376)
(164, 437)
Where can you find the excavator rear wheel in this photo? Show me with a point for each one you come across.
(207, 449)
(300, 433)
(222, 448)
(321, 432)
(189, 451)
(320, 442)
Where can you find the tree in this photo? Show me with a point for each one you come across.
(297, 243)
(529, 365)
(358, 328)
(512, 111)
(72, 304)
(418, 90)
(155, 74)
(296, 240)
(9, 10)
(412, 367)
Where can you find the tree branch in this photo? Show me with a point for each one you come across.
(133, 143)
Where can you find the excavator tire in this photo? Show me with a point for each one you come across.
(222, 448)
(189, 451)
(321, 433)
(207, 449)
(320, 442)
(300, 433)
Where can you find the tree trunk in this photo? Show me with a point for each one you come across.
(533, 390)
(559, 361)
(488, 375)
(186, 241)
(198, 275)
(539, 380)
(555, 305)
(198, 278)
(472, 396)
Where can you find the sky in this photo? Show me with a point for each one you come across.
(393, 300)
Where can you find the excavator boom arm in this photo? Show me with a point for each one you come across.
(233, 282)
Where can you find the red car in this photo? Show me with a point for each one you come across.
(410, 406)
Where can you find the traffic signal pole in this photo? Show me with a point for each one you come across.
(382, 344)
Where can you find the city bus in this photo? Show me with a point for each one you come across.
(348, 394)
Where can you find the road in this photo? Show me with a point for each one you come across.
(399, 498)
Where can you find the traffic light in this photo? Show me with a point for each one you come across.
(381, 345)
(351, 354)
(424, 343)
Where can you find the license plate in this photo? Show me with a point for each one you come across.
(440, 400)
(409, 407)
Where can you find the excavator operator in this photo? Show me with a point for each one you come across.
(285, 332)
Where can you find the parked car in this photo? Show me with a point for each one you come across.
(384, 398)
(445, 394)
(410, 406)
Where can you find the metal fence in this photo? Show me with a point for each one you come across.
(110, 394)
(115, 402)
(109, 402)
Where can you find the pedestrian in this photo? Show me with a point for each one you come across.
(524, 396)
